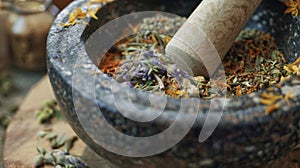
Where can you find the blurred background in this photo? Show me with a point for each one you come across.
(24, 26)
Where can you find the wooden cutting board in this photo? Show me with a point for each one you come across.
(22, 139)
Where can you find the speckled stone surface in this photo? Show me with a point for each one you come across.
(245, 135)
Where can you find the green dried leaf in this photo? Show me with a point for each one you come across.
(42, 134)
(61, 140)
(38, 160)
(41, 150)
(50, 159)
(51, 136)
(69, 143)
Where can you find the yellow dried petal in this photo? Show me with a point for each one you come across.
(266, 101)
(290, 3)
(99, 2)
(287, 68)
(72, 17)
(288, 96)
(296, 62)
(271, 108)
(79, 14)
(92, 13)
(167, 39)
(295, 68)
(267, 95)
(154, 39)
(289, 10)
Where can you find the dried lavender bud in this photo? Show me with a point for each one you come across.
(72, 160)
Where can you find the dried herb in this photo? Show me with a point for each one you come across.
(57, 157)
(254, 62)
(78, 14)
(4, 121)
(6, 85)
(293, 7)
(48, 111)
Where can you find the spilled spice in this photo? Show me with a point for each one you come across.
(254, 62)
(79, 14)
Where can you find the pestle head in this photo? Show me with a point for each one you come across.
(204, 39)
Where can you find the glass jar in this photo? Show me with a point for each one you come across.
(28, 27)
(4, 49)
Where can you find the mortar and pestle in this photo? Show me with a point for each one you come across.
(244, 136)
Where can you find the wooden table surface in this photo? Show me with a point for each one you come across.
(22, 134)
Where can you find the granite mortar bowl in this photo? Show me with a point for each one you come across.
(244, 136)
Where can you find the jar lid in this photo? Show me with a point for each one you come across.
(31, 6)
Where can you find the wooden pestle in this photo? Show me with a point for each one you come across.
(204, 39)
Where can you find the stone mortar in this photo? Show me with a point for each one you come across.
(245, 135)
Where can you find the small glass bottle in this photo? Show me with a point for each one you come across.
(28, 27)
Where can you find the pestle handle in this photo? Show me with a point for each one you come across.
(212, 27)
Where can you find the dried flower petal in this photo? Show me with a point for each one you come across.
(92, 12)
(271, 108)
(293, 7)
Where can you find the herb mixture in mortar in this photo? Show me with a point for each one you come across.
(254, 62)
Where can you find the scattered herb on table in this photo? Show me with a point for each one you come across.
(56, 156)
(4, 121)
(6, 85)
